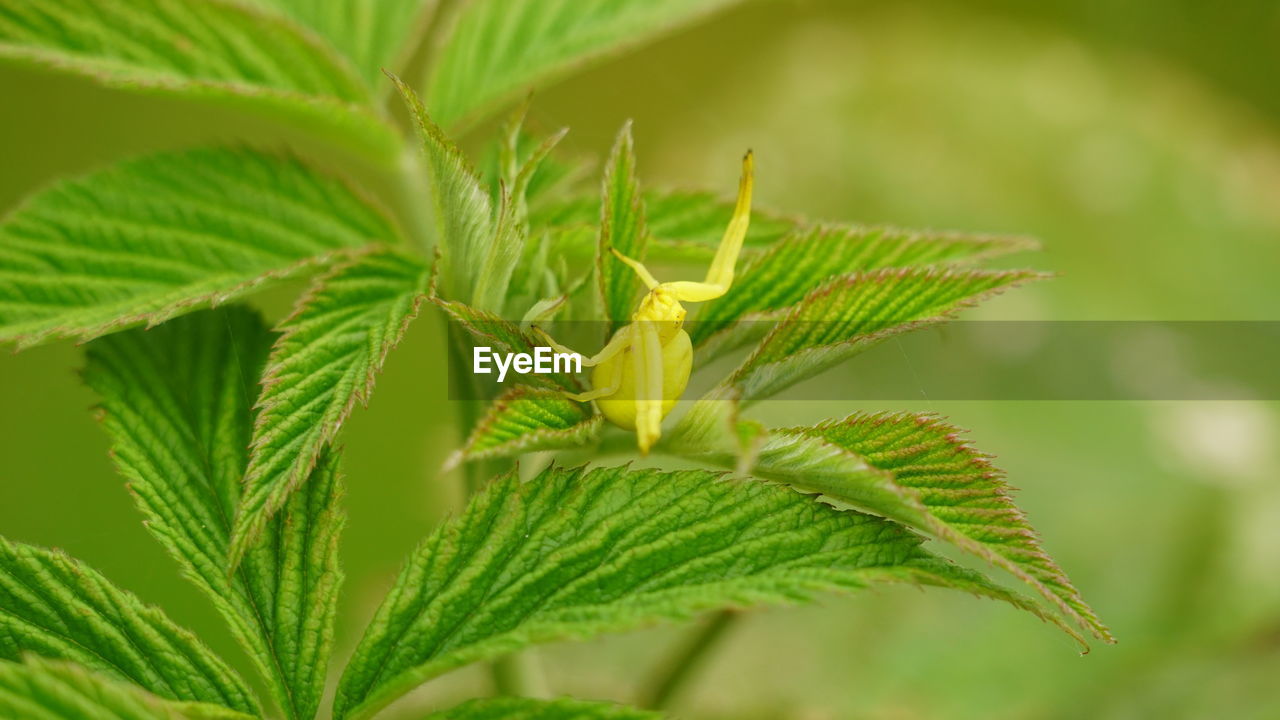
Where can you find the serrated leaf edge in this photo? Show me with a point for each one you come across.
(244, 536)
(210, 300)
(582, 433)
(1023, 276)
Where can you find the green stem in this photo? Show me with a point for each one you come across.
(414, 199)
(519, 674)
(461, 390)
(676, 672)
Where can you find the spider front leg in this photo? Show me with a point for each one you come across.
(596, 393)
(646, 277)
(720, 274)
(617, 345)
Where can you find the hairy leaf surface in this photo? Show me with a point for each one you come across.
(552, 176)
(372, 34)
(791, 269)
(154, 237)
(517, 170)
(622, 228)
(852, 313)
(39, 689)
(499, 49)
(572, 554)
(464, 211)
(213, 50)
(56, 607)
(513, 708)
(554, 262)
(177, 401)
(333, 346)
(525, 420)
(920, 471)
(963, 497)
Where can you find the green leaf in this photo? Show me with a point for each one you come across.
(177, 401)
(550, 175)
(525, 164)
(333, 346)
(489, 330)
(212, 51)
(682, 225)
(53, 606)
(498, 49)
(463, 210)
(507, 252)
(42, 690)
(621, 229)
(372, 34)
(573, 554)
(698, 220)
(514, 708)
(920, 471)
(154, 237)
(549, 277)
(789, 270)
(966, 499)
(525, 420)
(524, 167)
(852, 313)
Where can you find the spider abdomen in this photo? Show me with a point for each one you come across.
(619, 408)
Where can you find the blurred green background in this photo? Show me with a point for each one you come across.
(1140, 140)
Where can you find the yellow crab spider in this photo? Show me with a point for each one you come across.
(644, 368)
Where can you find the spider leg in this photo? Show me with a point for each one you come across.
(596, 393)
(646, 277)
(720, 274)
(647, 363)
(617, 344)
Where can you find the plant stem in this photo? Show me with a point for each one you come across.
(682, 665)
(461, 389)
(519, 674)
(413, 199)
